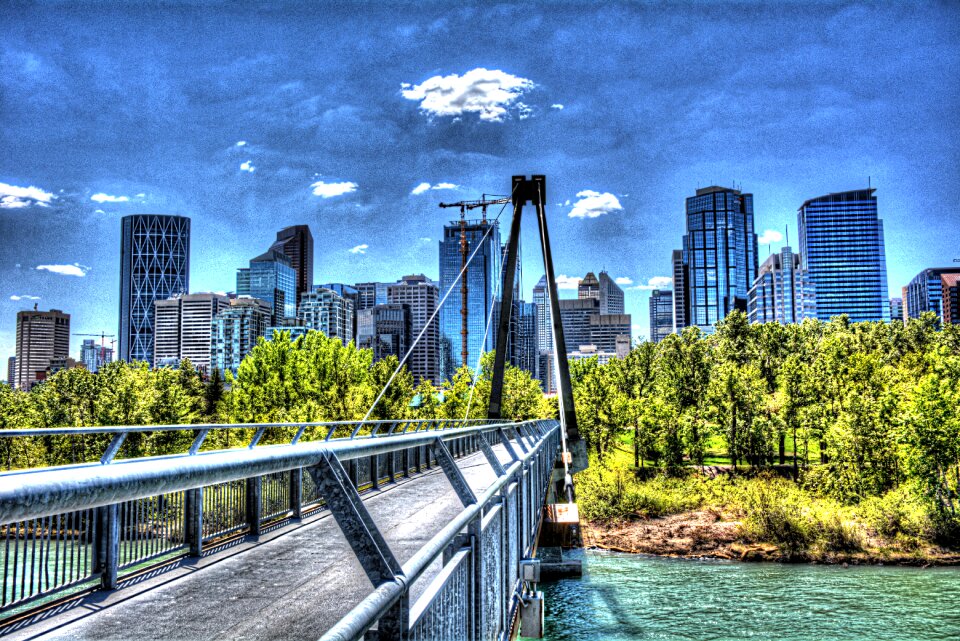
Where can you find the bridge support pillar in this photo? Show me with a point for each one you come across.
(193, 520)
(296, 492)
(107, 547)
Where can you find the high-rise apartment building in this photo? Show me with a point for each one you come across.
(327, 311)
(422, 296)
(680, 311)
(661, 314)
(183, 328)
(719, 255)
(296, 243)
(950, 306)
(371, 294)
(385, 329)
(12, 371)
(544, 329)
(350, 293)
(236, 330)
(154, 265)
(95, 355)
(842, 250)
(896, 309)
(42, 338)
(925, 292)
(782, 291)
(481, 283)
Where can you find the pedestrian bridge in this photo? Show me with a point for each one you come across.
(376, 530)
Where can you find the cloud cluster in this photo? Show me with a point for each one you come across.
(593, 204)
(13, 197)
(75, 269)
(247, 166)
(24, 297)
(360, 249)
(329, 190)
(657, 282)
(623, 280)
(567, 282)
(486, 92)
(107, 198)
(769, 236)
(422, 187)
(557, 106)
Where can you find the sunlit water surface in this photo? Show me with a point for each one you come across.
(626, 596)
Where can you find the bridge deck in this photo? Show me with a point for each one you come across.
(294, 585)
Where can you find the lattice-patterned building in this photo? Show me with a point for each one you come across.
(154, 265)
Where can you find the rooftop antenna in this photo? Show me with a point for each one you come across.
(786, 229)
(869, 185)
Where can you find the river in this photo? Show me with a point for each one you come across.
(628, 596)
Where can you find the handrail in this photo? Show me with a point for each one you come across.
(48, 491)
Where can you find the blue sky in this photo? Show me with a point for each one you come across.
(344, 110)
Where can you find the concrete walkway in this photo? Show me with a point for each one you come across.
(294, 583)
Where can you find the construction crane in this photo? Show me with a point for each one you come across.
(464, 206)
(103, 348)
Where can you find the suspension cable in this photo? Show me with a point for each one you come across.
(436, 311)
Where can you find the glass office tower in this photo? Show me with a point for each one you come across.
(661, 314)
(841, 245)
(925, 292)
(271, 278)
(481, 277)
(154, 265)
(719, 254)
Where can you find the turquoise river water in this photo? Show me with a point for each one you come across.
(627, 596)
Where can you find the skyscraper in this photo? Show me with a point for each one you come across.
(661, 314)
(842, 249)
(583, 324)
(719, 254)
(544, 332)
(522, 336)
(385, 329)
(680, 312)
(94, 356)
(12, 371)
(236, 330)
(350, 293)
(950, 286)
(183, 329)
(422, 296)
(42, 338)
(271, 278)
(589, 287)
(611, 296)
(481, 283)
(925, 292)
(296, 243)
(154, 265)
(327, 311)
(782, 291)
(896, 309)
(370, 294)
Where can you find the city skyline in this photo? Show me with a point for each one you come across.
(639, 129)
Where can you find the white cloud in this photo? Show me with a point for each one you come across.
(141, 195)
(241, 143)
(557, 106)
(567, 282)
(657, 282)
(623, 280)
(99, 211)
(13, 197)
(107, 198)
(329, 190)
(769, 236)
(75, 269)
(246, 166)
(422, 187)
(360, 249)
(425, 239)
(486, 92)
(24, 297)
(593, 204)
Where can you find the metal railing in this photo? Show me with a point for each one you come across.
(70, 528)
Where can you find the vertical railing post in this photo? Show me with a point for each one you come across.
(193, 520)
(375, 471)
(107, 549)
(254, 488)
(296, 492)
(353, 471)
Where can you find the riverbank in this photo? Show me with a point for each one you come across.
(707, 533)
